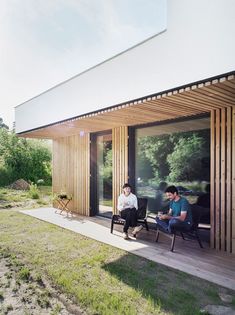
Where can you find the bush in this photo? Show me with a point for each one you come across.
(40, 182)
(33, 191)
(5, 176)
(25, 158)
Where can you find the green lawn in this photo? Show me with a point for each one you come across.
(101, 278)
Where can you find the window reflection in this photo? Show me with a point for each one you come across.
(104, 174)
(175, 153)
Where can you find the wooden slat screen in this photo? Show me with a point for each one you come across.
(71, 170)
(223, 179)
(186, 101)
(232, 170)
(120, 161)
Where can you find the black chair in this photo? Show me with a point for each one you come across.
(192, 233)
(141, 215)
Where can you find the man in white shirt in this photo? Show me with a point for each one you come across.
(128, 206)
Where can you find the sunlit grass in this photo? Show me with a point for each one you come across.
(102, 279)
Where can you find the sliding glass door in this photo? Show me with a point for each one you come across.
(176, 153)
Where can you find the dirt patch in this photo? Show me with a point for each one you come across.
(23, 292)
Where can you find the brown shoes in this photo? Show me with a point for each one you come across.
(136, 230)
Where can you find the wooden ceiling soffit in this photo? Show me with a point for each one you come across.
(182, 102)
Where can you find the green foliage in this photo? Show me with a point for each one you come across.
(33, 191)
(5, 176)
(105, 167)
(182, 156)
(23, 158)
(155, 150)
(24, 274)
(40, 182)
(185, 161)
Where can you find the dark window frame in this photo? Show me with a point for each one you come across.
(132, 144)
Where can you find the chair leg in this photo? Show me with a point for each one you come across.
(146, 225)
(173, 242)
(182, 235)
(111, 230)
(157, 236)
(198, 239)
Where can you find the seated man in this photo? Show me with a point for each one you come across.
(128, 206)
(179, 214)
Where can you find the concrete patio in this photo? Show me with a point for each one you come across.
(206, 263)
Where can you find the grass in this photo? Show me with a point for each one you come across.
(10, 198)
(100, 278)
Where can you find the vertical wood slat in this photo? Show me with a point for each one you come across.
(120, 161)
(71, 170)
(233, 181)
(229, 181)
(223, 179)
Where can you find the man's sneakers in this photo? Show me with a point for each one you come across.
(125, 236)
(137, 229)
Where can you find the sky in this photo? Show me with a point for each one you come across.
(45, 42)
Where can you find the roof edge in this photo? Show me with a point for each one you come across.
(93, 67)
(134, 100)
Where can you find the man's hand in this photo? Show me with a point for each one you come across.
(163, 217)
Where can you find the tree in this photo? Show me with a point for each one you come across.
(27, 159)
(155, 149)
(185, 162)
(181, 156)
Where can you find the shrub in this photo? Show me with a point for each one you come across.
(40, 182)
(5, 176)
(33, 191)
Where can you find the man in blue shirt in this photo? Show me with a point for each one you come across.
(179, 214)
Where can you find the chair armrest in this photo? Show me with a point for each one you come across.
(151, 217)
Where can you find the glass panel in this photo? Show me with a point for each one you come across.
(173, 154)
(104, 174)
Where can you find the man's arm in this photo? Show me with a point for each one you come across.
(168, 216)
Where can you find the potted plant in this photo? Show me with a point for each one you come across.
(62, 195)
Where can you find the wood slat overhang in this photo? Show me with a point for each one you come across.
(191, 100)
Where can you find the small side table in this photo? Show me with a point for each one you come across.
(63, 203)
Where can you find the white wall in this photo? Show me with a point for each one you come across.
(198, 44)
